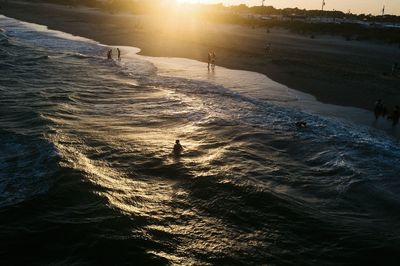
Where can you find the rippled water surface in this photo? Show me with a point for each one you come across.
(87, 176)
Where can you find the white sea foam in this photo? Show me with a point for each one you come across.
(261, 87)
(248, 83)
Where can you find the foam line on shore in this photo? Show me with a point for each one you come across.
(248, 83)
(260, 86)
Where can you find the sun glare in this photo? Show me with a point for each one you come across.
(192, 1)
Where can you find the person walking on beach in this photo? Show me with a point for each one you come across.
(119, 53)
(109, 54)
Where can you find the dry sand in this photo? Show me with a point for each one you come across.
(334, 70)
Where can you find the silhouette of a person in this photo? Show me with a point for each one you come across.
(268, 49)
(379, 109)
(395, 116)
(177, 151)
(394, 68)
(213, 59)
(109, 54)
(119, 53)
(301, 124)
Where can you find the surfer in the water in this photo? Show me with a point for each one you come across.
(177, 148)
(301, 124)
(109, 54)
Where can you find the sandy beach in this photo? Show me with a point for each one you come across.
(335, 71)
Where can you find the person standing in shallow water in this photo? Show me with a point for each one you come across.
(268, 49)
(379, 109)
(395, 68)
(119, 53)
(395, 116)
(213, 60)
(178, 149)
(109, 54)
(209, 60)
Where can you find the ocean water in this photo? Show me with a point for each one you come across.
(87, 176)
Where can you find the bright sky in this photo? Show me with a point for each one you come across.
(355, 6)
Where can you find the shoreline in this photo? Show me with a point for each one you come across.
(334, 71)
(259, 86)
(251, 84)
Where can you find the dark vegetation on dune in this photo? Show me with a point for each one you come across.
(349, 31)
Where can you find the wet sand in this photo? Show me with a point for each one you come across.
(334, 70)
